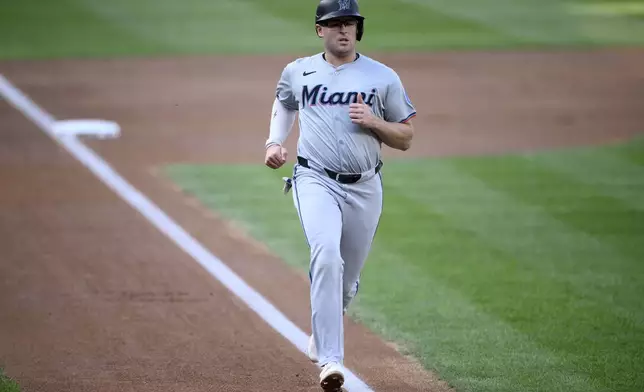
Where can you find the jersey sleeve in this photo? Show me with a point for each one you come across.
(284, 90)
(398, 106)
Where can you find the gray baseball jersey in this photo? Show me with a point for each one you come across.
(339, 220)
(322, 94)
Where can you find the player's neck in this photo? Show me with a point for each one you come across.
(337, 61)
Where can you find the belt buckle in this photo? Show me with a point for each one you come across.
(343, 178)
(349, 178)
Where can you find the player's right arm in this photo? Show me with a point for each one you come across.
(284, 111)
(281, 124)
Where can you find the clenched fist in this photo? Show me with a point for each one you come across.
(360, 113)
(275, 156)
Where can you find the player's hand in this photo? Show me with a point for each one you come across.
(361, 113)
(275, 156)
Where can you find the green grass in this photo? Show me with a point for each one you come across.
(78, 28)
(7, 384)
(507, 273)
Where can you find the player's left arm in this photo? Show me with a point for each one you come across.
(395, 129)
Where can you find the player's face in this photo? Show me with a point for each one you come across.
(339, 35)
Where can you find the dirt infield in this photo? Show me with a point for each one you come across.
(93, 298)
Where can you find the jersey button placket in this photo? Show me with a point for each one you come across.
(340, 136)
(338, 125)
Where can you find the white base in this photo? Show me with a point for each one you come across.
(102, 129)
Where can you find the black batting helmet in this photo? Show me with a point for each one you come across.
(331, 9)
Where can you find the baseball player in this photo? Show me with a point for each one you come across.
(348, 105)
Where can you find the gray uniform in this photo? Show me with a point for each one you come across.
(339, 217)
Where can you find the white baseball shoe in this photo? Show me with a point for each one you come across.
(311, 351)
(332, 377)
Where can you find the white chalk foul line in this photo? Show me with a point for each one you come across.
(166, 225)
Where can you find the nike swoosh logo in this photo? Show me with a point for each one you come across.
(308, 73)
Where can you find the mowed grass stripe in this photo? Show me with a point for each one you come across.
(148, 27)
(413, 291)
(396, 25)
(610, 172)
(615, 227)
(576, 309)
(42, 28)
(543, 22)
(45, 29)
(196, 26)
(527, 232)
(401, 297)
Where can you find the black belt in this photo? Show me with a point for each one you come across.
(341, 178)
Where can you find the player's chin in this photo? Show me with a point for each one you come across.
(344, 46)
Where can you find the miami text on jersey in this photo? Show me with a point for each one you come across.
(310, 97)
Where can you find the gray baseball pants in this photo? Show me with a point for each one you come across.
(339, 222)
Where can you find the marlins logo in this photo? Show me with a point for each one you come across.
(344, 5)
